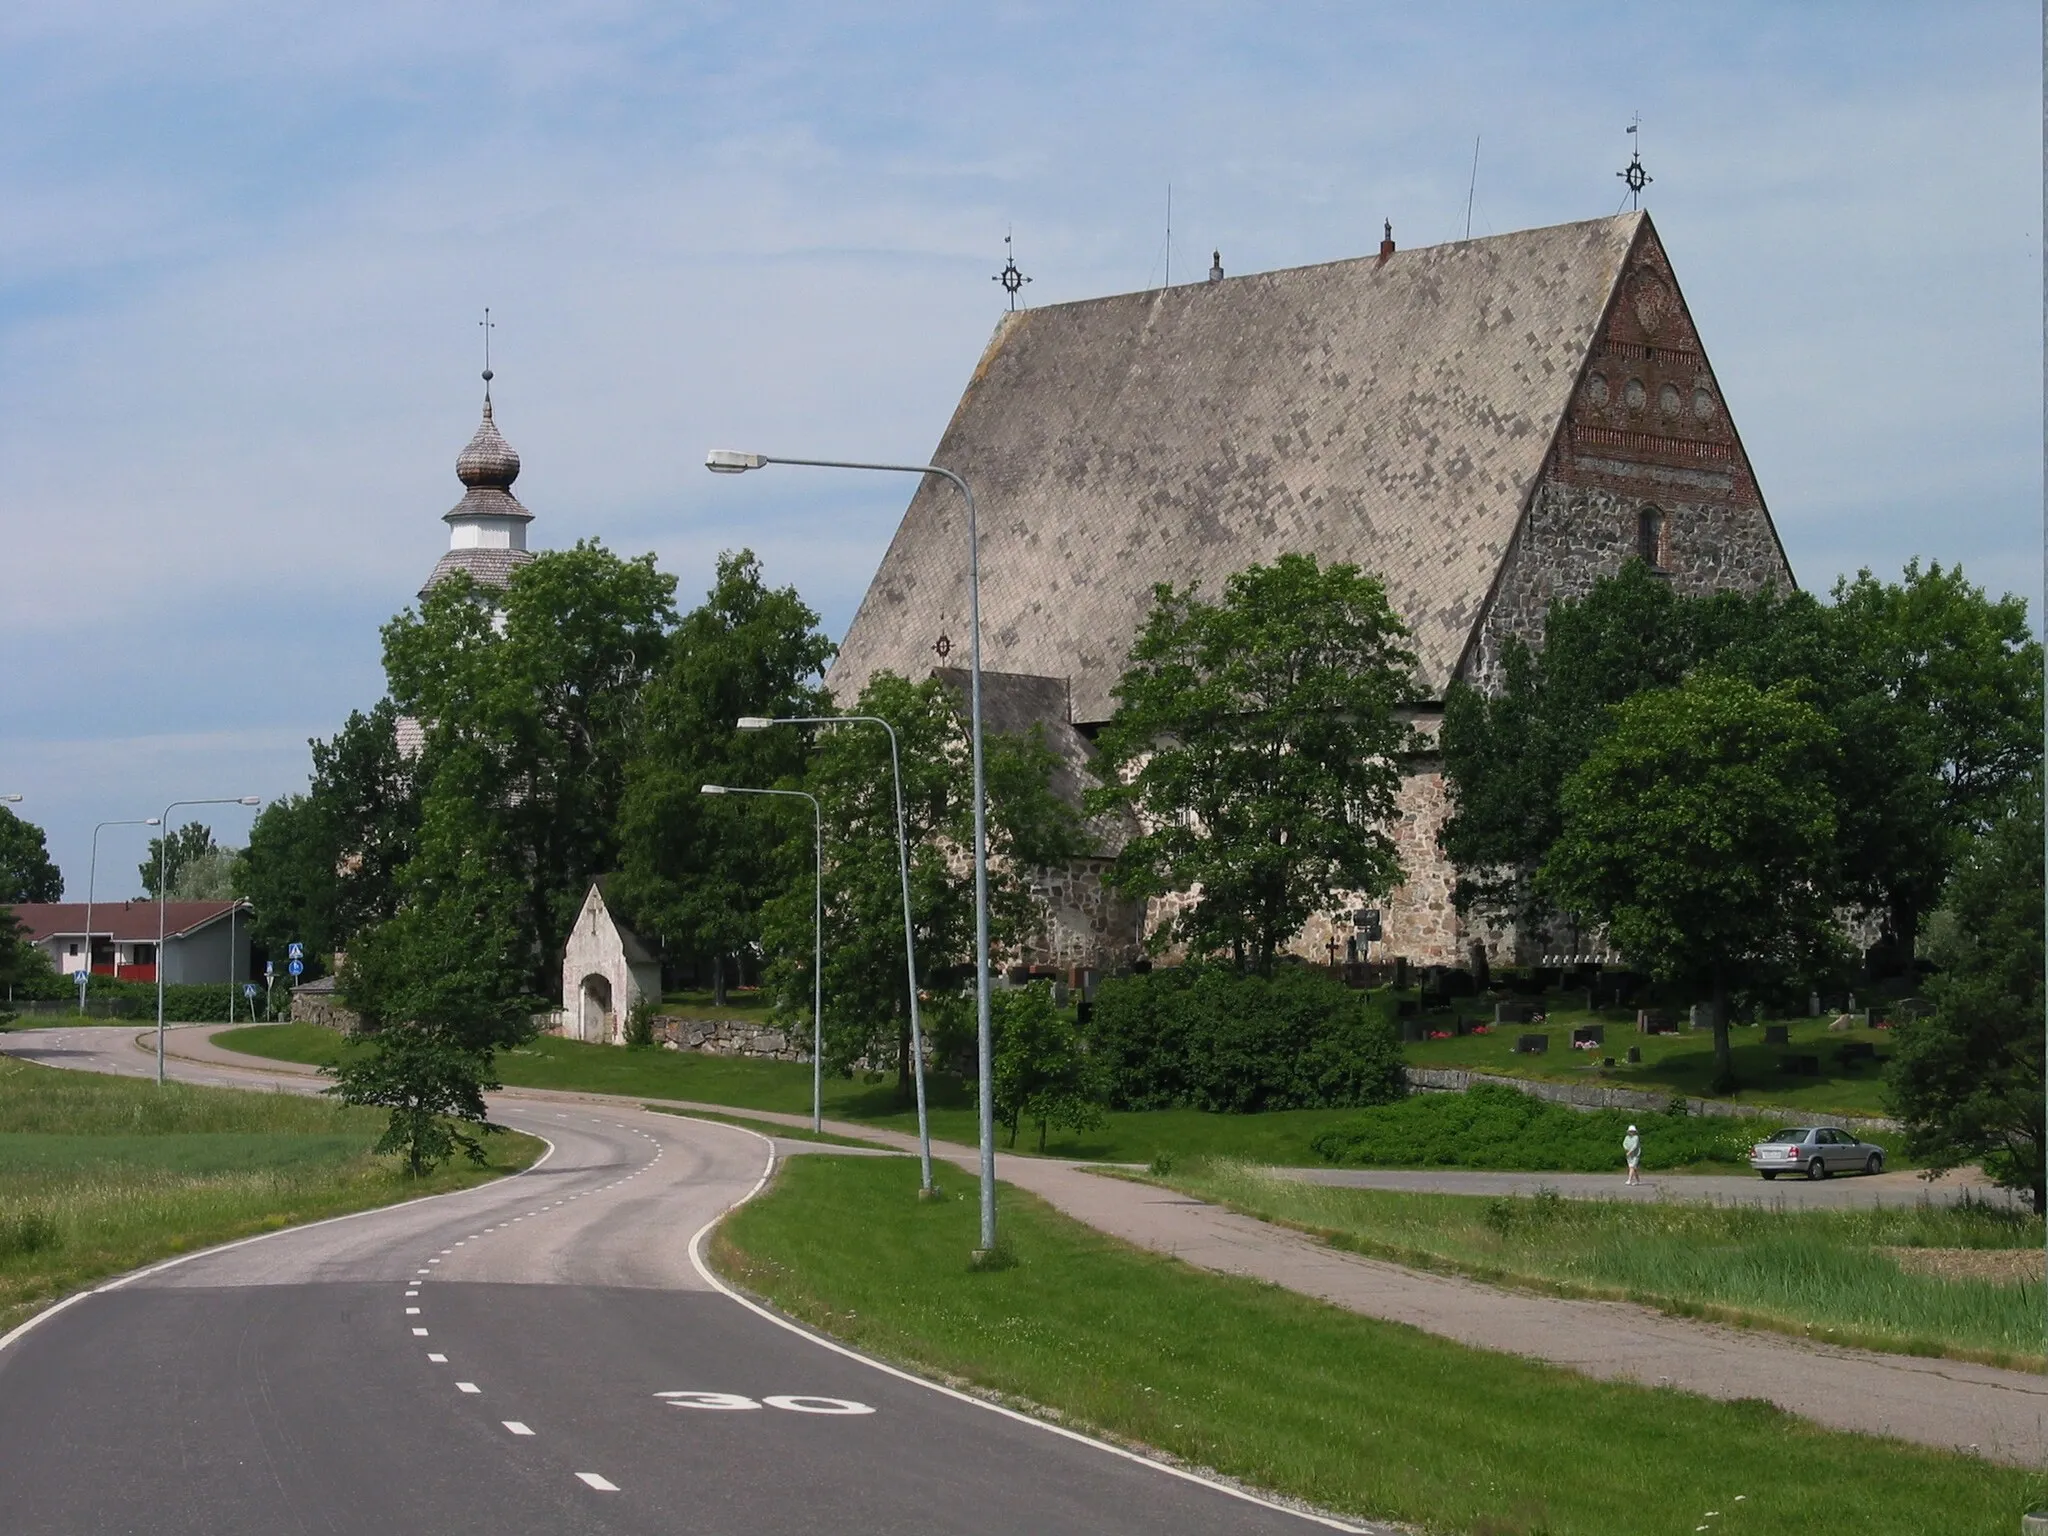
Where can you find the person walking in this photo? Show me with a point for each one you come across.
(1632, 1149)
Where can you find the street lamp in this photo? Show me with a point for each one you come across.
(924, 1130)
(728, 461)
(817, 943)
(10, 799)
(163, 847)
(91, 872)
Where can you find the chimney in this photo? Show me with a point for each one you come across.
(1216, 267)
(1387, 243)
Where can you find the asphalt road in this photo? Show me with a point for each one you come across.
(537, 1355)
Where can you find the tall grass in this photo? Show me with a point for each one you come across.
(100, 1174)
(1819, 1273)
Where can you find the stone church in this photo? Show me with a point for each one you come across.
(1485, 425)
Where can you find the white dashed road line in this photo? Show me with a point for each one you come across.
(601, 1484)
(516, 1427)
(419, 1333)
(467, 1386)
(437, 1359)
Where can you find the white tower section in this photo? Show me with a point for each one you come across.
(487, 528)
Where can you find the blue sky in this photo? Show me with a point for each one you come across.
(247, 244)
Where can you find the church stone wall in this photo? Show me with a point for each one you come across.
(1575, 535)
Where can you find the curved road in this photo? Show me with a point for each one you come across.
(497, 1360)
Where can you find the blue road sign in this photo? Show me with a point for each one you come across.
(249, 989)
(295, 951)
(297, 967)
(270, 967)
(79, 977)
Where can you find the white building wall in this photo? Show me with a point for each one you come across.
(599, 984)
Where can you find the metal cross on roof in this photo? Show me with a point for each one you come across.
(488, 327)
(1010, 277)
(1634, 175)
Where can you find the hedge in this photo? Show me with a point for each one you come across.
(1200, 1037)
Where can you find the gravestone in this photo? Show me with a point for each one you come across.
(1591, 1034)
(1532, 1045)
(1635, 1055)
(1777, 1034)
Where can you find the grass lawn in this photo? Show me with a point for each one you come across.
(101, 1174)
(1680, 1063)
(1291, 1394)
(744, 1004)
(1824, 1274)
(738, 1083)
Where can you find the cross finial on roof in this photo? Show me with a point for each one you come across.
(1010, 277)
(1633, 173)
(488, 327)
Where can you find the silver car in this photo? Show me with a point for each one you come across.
(1816, 1151)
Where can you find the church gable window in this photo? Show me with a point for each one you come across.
(1650, 537)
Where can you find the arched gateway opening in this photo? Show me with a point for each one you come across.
(594, 1009)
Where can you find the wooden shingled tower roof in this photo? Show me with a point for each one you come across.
(1396, 412)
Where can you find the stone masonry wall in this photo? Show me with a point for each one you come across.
(725, 1037)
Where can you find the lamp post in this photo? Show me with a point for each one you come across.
(727, 461)
(924, 1130)
(162, 850)
(817, 942)
(91, 873)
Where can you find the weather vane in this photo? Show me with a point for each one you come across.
(1636, 177)
(488, 328)
(944, 644)
(1010, 277)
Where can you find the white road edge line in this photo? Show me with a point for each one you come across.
(242, 1242)
(710, 1278)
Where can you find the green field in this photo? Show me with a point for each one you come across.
(1680, 1063)
(101, 1174)
(1819, 1273)
(1290, 1394)
(1283, 1137)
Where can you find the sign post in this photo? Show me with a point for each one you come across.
(81, 976)
(269, 980)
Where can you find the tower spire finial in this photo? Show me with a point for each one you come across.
(488, 327)
(1633, 174)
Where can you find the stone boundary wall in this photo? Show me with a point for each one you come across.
(1590, 1096)
(727, 1037)
(323, 1007)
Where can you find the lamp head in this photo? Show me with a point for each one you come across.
(10, 799)
(712, 789)
(753, 722)
(252, 800)
(153, 821)
(731, 461)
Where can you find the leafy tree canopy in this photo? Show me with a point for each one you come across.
(324, 865)
(1931, 687)
(696, 871)
(1258, 740)
(1966, 1080)
(866, 990)
(529, 701)
(170, 856)
(26, 873)
(1700, 832)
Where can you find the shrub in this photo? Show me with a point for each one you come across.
(640, 1023)
(1201, 1037)
(1495, 1127)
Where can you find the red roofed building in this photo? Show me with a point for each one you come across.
(200, 943)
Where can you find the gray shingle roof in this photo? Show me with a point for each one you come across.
(487, 567)
(1395, 414)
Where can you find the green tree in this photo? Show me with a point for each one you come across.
(867, 996)
(528, 699)
(1258, 742)
(433, 1084)
(26, 873)
(1700, 833)
(210, 876)
(169, 856)
(1966, 1079)
(324, 865)
(697, 871)
(1041, 1070)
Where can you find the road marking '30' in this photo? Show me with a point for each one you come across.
(732, 1402)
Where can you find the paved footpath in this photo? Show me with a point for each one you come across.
(1998, 1414)
(1843, 1192)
